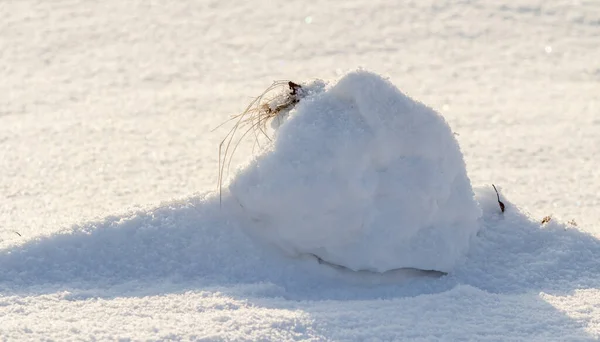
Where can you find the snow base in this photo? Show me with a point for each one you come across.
(188, 271)
(364, 177)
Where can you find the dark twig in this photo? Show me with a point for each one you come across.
(498, 195)
(294, 87)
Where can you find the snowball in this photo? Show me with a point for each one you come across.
(362, 176)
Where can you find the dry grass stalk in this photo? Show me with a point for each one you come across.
(502, 207)
(265, 107)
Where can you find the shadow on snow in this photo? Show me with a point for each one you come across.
(195, 245)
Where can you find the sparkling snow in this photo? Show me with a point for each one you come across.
(106, 110)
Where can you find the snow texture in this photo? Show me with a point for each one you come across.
(187, 270)
(364, 177)
(106, 110)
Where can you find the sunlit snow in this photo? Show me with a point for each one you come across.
(111, 229)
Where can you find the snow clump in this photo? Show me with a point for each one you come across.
(362, 176)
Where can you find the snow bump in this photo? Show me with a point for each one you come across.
(362, 176)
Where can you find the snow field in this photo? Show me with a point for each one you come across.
(107, 106)
(186, 270)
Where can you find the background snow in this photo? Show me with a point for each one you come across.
(107, 105)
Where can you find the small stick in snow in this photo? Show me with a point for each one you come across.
(498, 195)
(547, 219)
(318, 258)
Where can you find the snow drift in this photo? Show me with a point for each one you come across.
(361, 175)
(191, 258)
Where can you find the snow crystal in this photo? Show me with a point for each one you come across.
(362, 176)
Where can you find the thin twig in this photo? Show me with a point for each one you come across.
(499, 202)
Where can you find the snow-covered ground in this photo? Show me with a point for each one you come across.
(108, 106)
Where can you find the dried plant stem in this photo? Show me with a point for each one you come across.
(499, 202)
(254, 119)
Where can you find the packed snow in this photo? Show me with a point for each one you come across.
(364, 177)
(110, 228)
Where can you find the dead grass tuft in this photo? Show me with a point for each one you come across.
(279, 97)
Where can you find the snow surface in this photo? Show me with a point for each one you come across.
(109, 105)
(186, 270)
(364, 177)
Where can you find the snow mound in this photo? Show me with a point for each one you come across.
(362, 176)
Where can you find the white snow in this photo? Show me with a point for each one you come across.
(106, 109)
(186, 270)
(364, 177)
